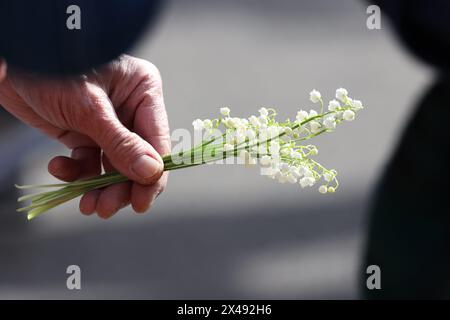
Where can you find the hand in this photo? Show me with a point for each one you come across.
(114, 116)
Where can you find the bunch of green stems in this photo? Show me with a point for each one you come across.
(206, 152)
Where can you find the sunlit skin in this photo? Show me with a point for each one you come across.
(113, 116)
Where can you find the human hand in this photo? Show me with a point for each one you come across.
(113, 115)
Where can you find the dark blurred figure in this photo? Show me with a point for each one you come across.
(409, 236)
(34, 35)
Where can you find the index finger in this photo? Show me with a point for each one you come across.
(150, 120)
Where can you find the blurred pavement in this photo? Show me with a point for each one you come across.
(225, 231)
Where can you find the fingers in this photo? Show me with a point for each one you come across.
(88, 202)
(150, 119)
(143, 197)
(64, 168)
(89, 161)
(2, 69)
(113, 198)
(84, 163)
(151, 123)
(107, 201)
(127, 152)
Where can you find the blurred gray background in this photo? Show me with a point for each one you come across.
(226, 231)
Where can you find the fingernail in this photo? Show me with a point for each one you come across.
(146, 167)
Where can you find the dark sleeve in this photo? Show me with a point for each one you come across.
(423, 26)
(34, 35)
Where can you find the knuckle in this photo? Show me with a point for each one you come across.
(150, 69)
(154, 103)
(91, 107)
(155, 73)
(96, 101)
(120, 144)
(151, 75)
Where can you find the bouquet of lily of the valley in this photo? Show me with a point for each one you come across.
(279, 147)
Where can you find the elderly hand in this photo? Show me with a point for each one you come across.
(113, 115)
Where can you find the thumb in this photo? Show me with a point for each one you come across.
(129, 153)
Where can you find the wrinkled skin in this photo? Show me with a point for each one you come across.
(113, 116)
